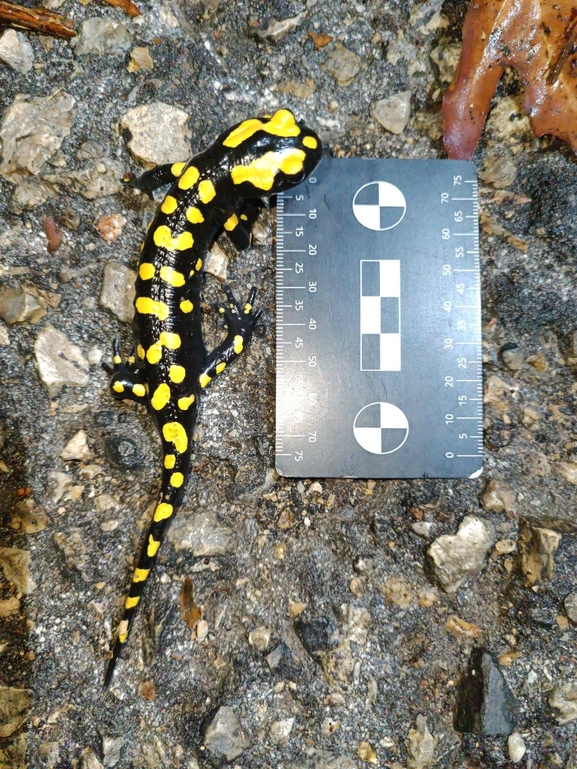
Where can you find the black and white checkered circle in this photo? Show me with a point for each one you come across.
(379, 205)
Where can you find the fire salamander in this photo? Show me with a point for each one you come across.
(220, 187)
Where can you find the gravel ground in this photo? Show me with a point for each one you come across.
(328, 638)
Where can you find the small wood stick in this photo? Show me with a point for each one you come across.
(36, 20)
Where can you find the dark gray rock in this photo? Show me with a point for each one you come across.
(316, 634)
(485, 704)
(123, 452)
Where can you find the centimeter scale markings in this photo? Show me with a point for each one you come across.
(379, 357)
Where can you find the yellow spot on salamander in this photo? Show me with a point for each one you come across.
(231, 223)
(204, 380)
(186, 305)
(170, 340)
(220, 367)
(140, 575)
(153, 546)
(185, 403)
(154, 353)
(140, 351)
(176, 374)
(161, 397)
(170, 204)
(198, 265)
(238, 342)
(184, 241)
(131, 359)
(188, 178)
(169, 461)
(282, 123)
(176, 480)
(118, 387)
(147, 306)
(310, 142)
(123, 631)
(139, 390)
(163, 510)
(117, 360)
(247, 308)
(194, 215)
(176, 168)
(244, 217)
(171, 276)
(175, 433)
(262, 172)
(146, 271)
(206, 191)
(130, 603)
(162, 236)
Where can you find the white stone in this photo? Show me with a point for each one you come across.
(118, 290)
(393, 112)
(280, 731)
(159, 133)
(16, 51)
(77, 448)
(102, 36)
(517, 748)
(59, 361)
(454, 558)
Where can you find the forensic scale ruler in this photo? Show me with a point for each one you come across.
(379, 322)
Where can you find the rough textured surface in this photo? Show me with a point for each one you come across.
(284, 555)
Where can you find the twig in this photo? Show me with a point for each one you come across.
(36, 20)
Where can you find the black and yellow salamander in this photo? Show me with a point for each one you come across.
(220, 187)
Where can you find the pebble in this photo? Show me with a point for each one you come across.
(356, 623)
(32, 131)
(498, 496)
(118, 290)
(224, 736)
(485, 704)
(102, 36)
(217, 262)
(16, 566)
(158, 133)
(17, 305)
(276, 30)
(59, 361)
(28, 516)
(454, 558)
(59, 484)
(570, 604)
(420, 745)
(4, 336)
(29, 193)
(16, 51)
(9, 607)
(140, 58)
(94, 180)
(516, 747)
(297, 89)
(316, 634)
(568, 470)
(202, 534)
(77, 448)
(423, 529)
(342, 64)
(88, 760)
(110, 227)
(393, 112)
(499, 169)
(71, 545)
(259, 638)
(367, 753)
(111, 747)
(563, 699)
(123, 452)
(49, 753)
(512, 356)
(280, 731)
(14, 707)
(446, 57)
(398, 591)
(201, 630)
(537, 547)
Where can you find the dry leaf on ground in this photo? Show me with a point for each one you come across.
(535, 37)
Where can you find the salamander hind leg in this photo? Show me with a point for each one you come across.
(126, 381)
(240, 323)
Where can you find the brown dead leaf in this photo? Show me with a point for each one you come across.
(319, 41)
(189, 611)
(535, 37)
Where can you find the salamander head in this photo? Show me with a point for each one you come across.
(270, 154)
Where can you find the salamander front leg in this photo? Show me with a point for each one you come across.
(238, 226)
(157, 177)
(240, 323)
(126, 382)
